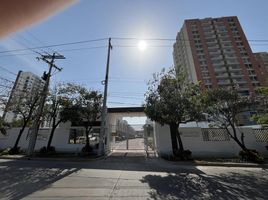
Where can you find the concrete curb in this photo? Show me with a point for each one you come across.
(249, 165)
(216, 164)
(65, 159)
(178, 163)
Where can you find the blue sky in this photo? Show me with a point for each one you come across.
(130, 68)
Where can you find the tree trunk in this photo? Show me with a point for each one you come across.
(51, 136)
(243, 147)
(54, 126)
(87, 138)
(75, 135)
(181, 148)
(173, 131)
(18, 138)
(241, 144)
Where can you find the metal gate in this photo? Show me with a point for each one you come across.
(127, 137)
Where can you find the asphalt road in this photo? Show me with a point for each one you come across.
(133, 144)
(128, 177)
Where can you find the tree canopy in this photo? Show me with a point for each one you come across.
(261, 117)
(171, 99)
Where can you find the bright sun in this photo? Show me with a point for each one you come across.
(142, 45)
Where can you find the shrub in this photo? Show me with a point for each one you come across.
(87, 149)
(50, 151)
(180, 155)
(14, 151)
(43, 150)
(251, 155)
(5, 151)
(184, 155)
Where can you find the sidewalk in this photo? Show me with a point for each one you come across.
(180, 163)
(128, 178)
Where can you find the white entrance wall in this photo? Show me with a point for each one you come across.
(60, 140)
(193, 140)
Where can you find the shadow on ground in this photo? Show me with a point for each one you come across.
(18, 181)
(202, 186)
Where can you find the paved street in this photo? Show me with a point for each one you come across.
(136, 143)
(124, 176)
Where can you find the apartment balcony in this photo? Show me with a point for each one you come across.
(239, 81)
(234, 69)
(219, 57)
(210, 36)
(251, 75)
(213, 47)
(243, 89)
(222, 75)
(232, 62)
(231, 56)
(212, 42)
(255, 81)
(224, 82)
(218, 63)
(237, 75)
(214, 51)
(220, 69)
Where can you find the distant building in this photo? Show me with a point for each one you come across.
(216, 53)
(262, 59)
(26, 84)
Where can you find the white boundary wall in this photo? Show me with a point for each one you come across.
(60, 140)
(193, 140)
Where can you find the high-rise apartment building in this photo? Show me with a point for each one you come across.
(26, 84)
(216, 53)
(262, 59)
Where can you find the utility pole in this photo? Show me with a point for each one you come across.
(104, 107)
(49, 59)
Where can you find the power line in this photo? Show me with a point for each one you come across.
(89, 48)
(6, 79)
(148, 39)
(149, 46)
(39, 41)
(8, 71)
(61, 50)
(114, 38)
(5, 86)
(55, 45)
(28, 42)
(28, 47)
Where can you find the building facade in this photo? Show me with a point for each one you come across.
(215, 53)
(262, 59)
(26, 84)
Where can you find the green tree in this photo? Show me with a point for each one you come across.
(261, 117)
(223, 107)
(59, 107)
(3, 124)
(171, 99)
(88, 110)
(2, 128)
(25, 107)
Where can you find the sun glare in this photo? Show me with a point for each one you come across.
(142, 45)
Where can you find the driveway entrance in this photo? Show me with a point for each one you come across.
(126, 136)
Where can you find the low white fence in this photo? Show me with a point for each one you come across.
(211, 142)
